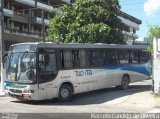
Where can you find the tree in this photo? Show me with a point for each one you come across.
(152, 32)
(86, 21)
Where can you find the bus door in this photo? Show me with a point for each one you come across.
(47, 71)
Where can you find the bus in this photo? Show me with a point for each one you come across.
(39, 71)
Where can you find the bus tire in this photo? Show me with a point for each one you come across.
(65, 93)
(125, 82)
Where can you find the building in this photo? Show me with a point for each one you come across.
(27, 20)
(142, 41)
(130, 25)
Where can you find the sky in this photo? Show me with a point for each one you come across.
(146, 10)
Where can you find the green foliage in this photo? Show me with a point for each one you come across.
(86, 21)
(152, 32)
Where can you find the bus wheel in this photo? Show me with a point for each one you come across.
(65, 93)
(125, 82)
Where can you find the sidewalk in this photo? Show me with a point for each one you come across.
(140, 100)
(144, 99)
(1, 95)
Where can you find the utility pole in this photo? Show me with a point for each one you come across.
(1, 46)
(43, 26)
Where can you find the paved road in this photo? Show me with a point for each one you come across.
(138, 99)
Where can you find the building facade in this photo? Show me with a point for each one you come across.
(27, 21)
(130, 25)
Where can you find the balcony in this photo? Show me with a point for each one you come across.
(23, 33)
(39, 4)
(27, 2)
(20, 18)
(130, 34)
(44, 6)
(129, 23)
(8, 13)
(39, 20)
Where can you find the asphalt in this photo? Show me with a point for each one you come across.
(138, 96)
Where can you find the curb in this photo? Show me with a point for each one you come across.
(2, 94)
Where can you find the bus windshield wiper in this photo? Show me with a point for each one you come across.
(24, 55)
(9, 63)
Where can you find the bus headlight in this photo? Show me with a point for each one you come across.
(28, 91)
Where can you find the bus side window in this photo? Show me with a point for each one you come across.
(135, 58)
(130, 56)
(126, 54)
(67, 59)
(122, 54)
(62, 59)
(41, 60)
(51, 64)
(114, 57)
(144, 56)
(47, 66)
(84, 59)
(75, 58)
(93, 58)
(107, 57)
(100, 57)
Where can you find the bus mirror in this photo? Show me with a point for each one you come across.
(4, 57)
(5, 54)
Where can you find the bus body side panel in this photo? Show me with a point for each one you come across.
(100, 78)
(84, 79)
(114, 77)
(91, 79)
(137, 72)
(65, 76)
(50, 89)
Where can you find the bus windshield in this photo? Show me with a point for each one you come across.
(21, 67)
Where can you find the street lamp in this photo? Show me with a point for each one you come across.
(1, 46)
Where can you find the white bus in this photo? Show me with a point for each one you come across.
(39, 71)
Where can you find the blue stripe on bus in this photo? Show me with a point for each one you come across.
(140, 68)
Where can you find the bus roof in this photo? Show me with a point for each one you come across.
(78, 46)
(88, 46)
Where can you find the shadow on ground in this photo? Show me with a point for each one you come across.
(93, 97)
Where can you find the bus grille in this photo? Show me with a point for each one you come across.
(15, 91)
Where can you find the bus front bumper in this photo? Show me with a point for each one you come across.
(20, 96)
